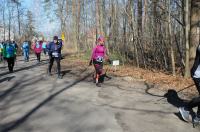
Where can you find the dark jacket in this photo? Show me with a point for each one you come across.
(196, 62)
(52, 47)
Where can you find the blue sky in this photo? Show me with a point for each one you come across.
(42, 23)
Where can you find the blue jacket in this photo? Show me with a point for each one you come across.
(25, 47)
(52, 47)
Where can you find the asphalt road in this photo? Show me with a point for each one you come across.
(30, 101)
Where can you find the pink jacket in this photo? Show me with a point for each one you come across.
(38, 47)
(98, 51)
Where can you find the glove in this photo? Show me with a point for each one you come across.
(90, 63)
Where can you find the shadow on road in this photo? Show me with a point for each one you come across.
(65, 72)
(17, 86)
(175, 100)
(172, 98)
(6, 79)
(3, 67)
(7, 92)
(26, 68)
(13, 124)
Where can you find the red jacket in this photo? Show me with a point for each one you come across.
(38, 47)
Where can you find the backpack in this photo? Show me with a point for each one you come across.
(10, 50)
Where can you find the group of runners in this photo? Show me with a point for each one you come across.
(8, 51)
(37, 46)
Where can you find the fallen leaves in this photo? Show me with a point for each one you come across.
(164, 80)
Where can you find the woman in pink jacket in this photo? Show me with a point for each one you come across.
(38, 49)
(99, 54)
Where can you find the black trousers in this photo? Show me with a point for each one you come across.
(51, 61)
(11, 63)
(195, 102)
(38, 56)
(44, 51)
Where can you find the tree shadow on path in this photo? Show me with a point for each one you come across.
(12, 125)
(6, 79)
(25, 68)
(65, 72)
(172, 98)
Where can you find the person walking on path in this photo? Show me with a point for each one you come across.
(54, 51)
(38, 49)
(44, 46)
(26, 49)
(16, 48)
(195, 102)
(9, 52)
(98, 56)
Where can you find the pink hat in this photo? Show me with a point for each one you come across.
(101, 39)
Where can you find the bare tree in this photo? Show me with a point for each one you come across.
(147, 33)
(194, 32)
(187, 35)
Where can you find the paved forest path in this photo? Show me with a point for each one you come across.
(30, 101)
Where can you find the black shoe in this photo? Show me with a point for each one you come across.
(98, 84)
(197, 119)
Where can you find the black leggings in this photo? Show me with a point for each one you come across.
(195, 101)
(98, 66)
(51, 60)
(11, 63)
(44, 51)
(98, 69)
(38, 56)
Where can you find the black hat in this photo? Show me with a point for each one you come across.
(55, 38)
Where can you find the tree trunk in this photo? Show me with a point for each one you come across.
(97, 18)
(74, 16)
(18, 17)
(4, 25)
(170, 40)
(194, 31)
(131, 23)
(187, 39)
(155, 41)
(9, 24)
(139, 20)
(144, 17)
(78, 24)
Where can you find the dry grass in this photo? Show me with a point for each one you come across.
(164, 81)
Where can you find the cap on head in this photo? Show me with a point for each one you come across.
(101, 39)
(55, 38)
